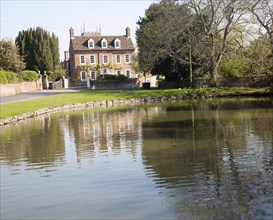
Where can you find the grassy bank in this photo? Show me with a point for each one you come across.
(12, 109)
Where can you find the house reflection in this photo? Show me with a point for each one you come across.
(109, 133)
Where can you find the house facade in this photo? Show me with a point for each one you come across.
(92, 55)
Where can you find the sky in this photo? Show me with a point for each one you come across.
(57, 16)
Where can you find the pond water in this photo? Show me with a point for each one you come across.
(200, 159)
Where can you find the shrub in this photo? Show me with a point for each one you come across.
(57, 74)
(29, 76)
(52, 76)
(121, 77)
(8, 77)
(236, 67)
(229, 69)
(3, 78)
(112, 77)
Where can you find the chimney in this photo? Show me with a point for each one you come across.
(128, 32)
(66, 55)
(71, 32)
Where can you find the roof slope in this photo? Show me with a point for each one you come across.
(81, 43)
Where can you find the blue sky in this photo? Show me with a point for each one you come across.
(58, 16)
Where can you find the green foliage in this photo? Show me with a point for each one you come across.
(57, 74)
(10, 59)
(3, 77)
(39, 48)
(29, 76)
(167, 41)
(99, 67)
(259, 56)
(229, 69)
(77, 72)
(52, 76)
(252, 60)
(235, 67)
(7, 77)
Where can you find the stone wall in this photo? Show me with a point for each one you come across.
(255, 81)
(16, 88)
(252, 82)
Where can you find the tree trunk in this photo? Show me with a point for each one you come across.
(190, 57)
(213, 64)
(271, 42)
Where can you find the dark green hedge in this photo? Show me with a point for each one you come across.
(112, 77)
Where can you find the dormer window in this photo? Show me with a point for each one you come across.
(117, 43)
(90, 43)
(104, 43)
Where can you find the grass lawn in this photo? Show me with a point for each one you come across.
(12, 109)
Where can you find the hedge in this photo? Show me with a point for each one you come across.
(7, 77)
(29, 76)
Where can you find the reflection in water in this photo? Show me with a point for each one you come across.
(181, 160)
(38, 145)
(109, 132)
(214, 163)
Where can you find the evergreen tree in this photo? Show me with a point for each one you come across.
(39, 48)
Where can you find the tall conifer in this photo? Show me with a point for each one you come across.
(39, 48)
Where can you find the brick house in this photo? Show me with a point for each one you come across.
(93, 55)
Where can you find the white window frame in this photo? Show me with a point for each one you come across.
(128, 73)
(118, 55)
(93, 58)
(82, 56)
(118, 72)
(117, 41)
(102, 43)
(127, 58)
(91, 75)
(83, 73)
(91, 40)
(103, 59)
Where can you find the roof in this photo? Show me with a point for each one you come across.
(81, 43)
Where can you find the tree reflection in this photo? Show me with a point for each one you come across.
(36, 142)
(213, 162)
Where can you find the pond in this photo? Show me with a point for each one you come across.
(194, 160)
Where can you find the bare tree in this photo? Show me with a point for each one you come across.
(262, 10)
(217, 17)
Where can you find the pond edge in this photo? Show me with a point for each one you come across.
(104, 103)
